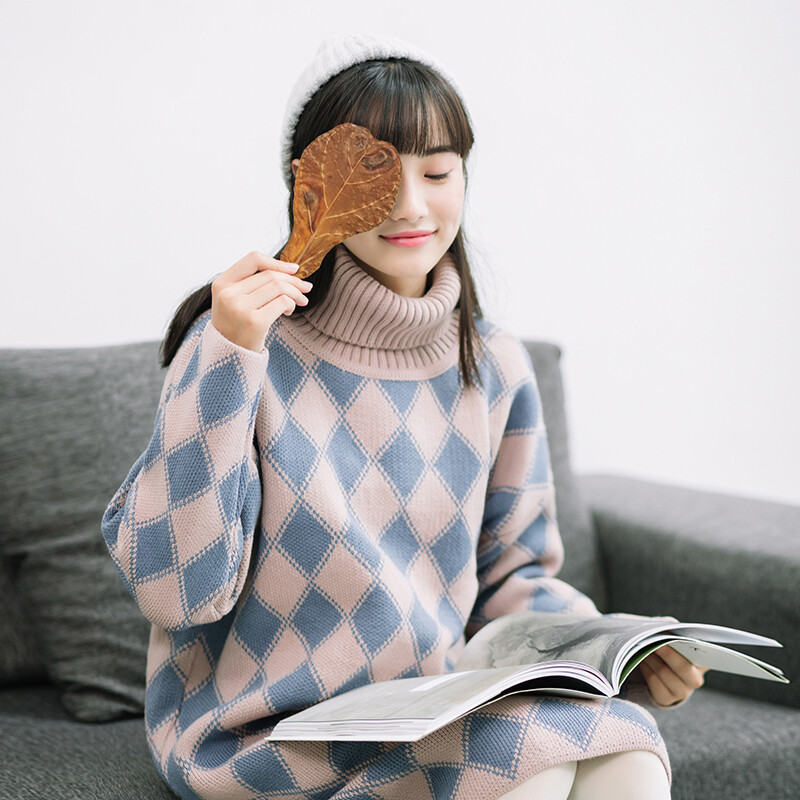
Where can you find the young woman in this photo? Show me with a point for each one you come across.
(348, 478)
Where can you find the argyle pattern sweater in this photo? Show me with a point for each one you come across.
(335, 510)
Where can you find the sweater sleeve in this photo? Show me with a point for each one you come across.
(520, 550)
(180, 528)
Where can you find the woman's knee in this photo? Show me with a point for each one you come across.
(553, 783)
(630, 775)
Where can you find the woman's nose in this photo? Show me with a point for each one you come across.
(410, 203)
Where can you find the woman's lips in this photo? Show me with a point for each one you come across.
(409, 238)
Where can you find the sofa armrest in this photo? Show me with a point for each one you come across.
(704, 557)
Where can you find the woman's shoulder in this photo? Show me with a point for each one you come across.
(504, 357)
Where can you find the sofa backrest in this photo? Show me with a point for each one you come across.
(582, 564)
(74, 422)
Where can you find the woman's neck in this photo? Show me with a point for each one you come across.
(412, 286)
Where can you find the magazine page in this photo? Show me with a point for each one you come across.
(408, 708)
(402, 707)
(530, 637)
(706, 654)
(612, 644)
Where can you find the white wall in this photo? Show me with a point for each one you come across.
(634, 194)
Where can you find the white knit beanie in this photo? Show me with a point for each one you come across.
(335, 56)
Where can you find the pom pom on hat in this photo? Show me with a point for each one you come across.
(335, 56)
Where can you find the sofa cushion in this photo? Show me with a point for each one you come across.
(20, 659)
(582, 566)
(724, 747)
(75, 421)
(48, 755)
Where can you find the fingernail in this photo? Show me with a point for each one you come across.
(306, 285)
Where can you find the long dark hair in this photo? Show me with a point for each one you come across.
(400, 101)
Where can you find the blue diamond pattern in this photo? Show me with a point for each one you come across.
(443, 781)
(533, 538)
(574, 722)
(346, 457)
(499, 504)
(360, 678)
(402, 463)
(452, 550)
(493, 385)
(524, 412)
(360, 543)
(155, 447)
(447, 388)
(297, 689)
(154, 551)
(341, 385)
(458, 465)
(294, 454)
(256, 626)
(229, 495)
(449, 617)
(542, 600)
(377, 619)
(399, 543)
(347, 757)
(220, 393)
(213, 634)
(217, 747)
(398, 761)
(305, 540)
(630, 713)
(264, 770)
(177, 781)
(285, 372)
(316, 618)
(424, 628)
(530, 571)
(540, 468)
(493, 742)
(190, 373)
(187, 471)
(200, 702)
(210, 568)
(401, 393)
(164, 695)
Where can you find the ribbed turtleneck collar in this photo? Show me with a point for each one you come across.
(365, 327)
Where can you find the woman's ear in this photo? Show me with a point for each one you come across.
(295, 165)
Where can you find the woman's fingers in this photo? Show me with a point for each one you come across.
(255, 262)
(255, 282)
(671, 677)
(690, 674)
(249, 296)
(273, 288)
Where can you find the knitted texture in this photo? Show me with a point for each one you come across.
(315, 517)
(334, 56)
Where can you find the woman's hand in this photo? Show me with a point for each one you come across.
(670, 677)
(247, 298)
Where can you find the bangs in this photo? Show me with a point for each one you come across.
(399, 101)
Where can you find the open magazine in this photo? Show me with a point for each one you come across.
(561, 654)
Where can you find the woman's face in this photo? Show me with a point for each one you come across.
(425, 219)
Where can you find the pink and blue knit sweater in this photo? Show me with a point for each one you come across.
(337, 510)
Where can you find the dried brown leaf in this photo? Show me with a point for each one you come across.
(346, 184)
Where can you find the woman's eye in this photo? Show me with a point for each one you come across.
(437, 177)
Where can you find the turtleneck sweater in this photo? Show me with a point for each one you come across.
(371, 329)
(340, 509)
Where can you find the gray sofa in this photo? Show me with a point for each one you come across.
(73, 644)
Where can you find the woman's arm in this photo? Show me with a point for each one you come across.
(180, 528)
